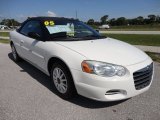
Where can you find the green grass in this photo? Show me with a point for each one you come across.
(155, 27)
(134, 29)
(4, 34)
(4, 41)
(154, 56)
(148, 40)
(150, 27)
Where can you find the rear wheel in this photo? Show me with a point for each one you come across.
(62, 81)
(15, 55)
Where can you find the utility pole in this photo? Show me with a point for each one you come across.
(76, 14)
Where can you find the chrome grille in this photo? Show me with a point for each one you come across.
(142, 77)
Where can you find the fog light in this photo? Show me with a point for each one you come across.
(113, 92)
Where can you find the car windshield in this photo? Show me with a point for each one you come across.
(70, 30)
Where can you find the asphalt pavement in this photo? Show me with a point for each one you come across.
(27, 94)
(1, 37)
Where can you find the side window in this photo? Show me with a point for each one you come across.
(31, 26)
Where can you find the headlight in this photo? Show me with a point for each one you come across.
(103, 69)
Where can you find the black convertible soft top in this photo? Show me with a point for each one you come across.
(42, 19)
(51, 18)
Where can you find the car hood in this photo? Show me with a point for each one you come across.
(107, 50)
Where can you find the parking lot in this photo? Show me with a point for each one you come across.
(27, 94)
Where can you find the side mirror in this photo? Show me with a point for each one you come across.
(34, 35)
(97, 31)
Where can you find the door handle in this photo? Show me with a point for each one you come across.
(22, 41)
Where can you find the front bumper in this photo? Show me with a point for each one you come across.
(109, 88)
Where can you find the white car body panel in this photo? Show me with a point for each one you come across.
(37, 51)
(72, 53)
(29, 49)
(108, 50)
(95, 87)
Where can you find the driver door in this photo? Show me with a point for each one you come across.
(31, 48)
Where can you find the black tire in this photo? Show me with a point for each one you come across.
(15, 55)
(70, 91)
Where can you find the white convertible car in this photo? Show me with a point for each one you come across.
(79, 60)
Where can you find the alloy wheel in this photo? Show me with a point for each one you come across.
(60, 80)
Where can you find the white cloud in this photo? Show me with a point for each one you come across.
(1, 17)
(51, 14)
(22, 17)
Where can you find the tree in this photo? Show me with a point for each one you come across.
(121, 21)
(97, 23)
(112, 22)
(104, 19)
(146, 21)
(158, 19)
(10, 22)
(140, 20)
(4, 22)
(152, 18)
(90, 22)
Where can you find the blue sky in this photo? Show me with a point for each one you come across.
(20, 9)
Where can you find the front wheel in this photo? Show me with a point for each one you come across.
(15, 55)
(63, 81)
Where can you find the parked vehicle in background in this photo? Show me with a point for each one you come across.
(4, 27)
(104, 27)
(14, 27)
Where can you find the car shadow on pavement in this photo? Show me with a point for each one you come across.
(45, 81)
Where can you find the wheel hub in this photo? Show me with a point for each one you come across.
(60, 80)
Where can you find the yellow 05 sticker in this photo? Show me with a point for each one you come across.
(49, 23)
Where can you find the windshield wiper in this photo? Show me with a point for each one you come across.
(59, 35)
(90, 36)
(94, 36)
(66, 38)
